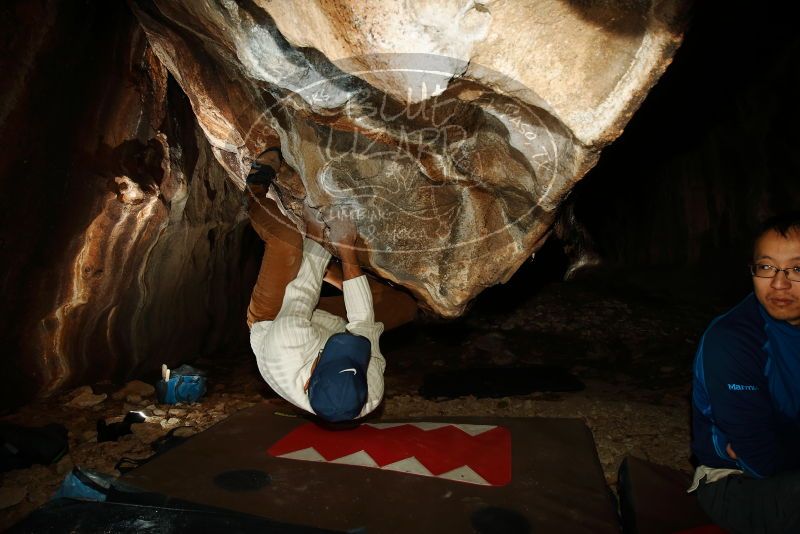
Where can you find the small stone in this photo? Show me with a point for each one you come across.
(89, 435)
(159, 411)
(177, 412)
(172, 422)
(77, 392)
(133, 398)
(184, 432)
(11, 496)
(150, 407)
(134, 387)
(86, 399)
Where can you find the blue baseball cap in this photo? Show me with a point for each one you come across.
(337, 390)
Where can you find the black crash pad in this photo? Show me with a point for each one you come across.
(653, 499)
(556, 485)
(69, 515)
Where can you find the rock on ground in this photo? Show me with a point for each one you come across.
(136, 389)
(84, 397)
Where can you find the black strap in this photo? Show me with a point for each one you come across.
(132, 463)
(89, 481)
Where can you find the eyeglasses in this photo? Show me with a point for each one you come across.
(765, 270)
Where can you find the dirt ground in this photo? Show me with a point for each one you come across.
(632, 349)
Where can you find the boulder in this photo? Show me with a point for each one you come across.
(449, 131)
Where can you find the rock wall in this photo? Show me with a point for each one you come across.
(122, 239)
(450, 131)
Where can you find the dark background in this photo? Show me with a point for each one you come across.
(672, 204)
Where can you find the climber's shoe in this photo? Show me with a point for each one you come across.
(260, 177)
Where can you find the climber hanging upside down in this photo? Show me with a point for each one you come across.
(320, 354)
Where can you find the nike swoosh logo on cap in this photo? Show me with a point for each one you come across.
(346, 370)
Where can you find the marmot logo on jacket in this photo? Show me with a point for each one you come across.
(740, 387)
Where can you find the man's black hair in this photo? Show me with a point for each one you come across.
(782, 224)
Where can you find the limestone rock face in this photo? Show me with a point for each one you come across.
(448, 130)
(121, 235)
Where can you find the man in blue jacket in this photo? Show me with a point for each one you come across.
(746, 395)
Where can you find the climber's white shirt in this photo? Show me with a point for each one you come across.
(287, 347)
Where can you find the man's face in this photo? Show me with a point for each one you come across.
(780, 297)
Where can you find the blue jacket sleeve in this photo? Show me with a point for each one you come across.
(740, 402)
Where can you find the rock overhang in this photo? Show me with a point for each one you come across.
(450, 131)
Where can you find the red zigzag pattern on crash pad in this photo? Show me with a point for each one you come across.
(440, 450)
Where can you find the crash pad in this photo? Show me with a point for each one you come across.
(473, 454)
(653, 500)
(70, 515)
(261, 462)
